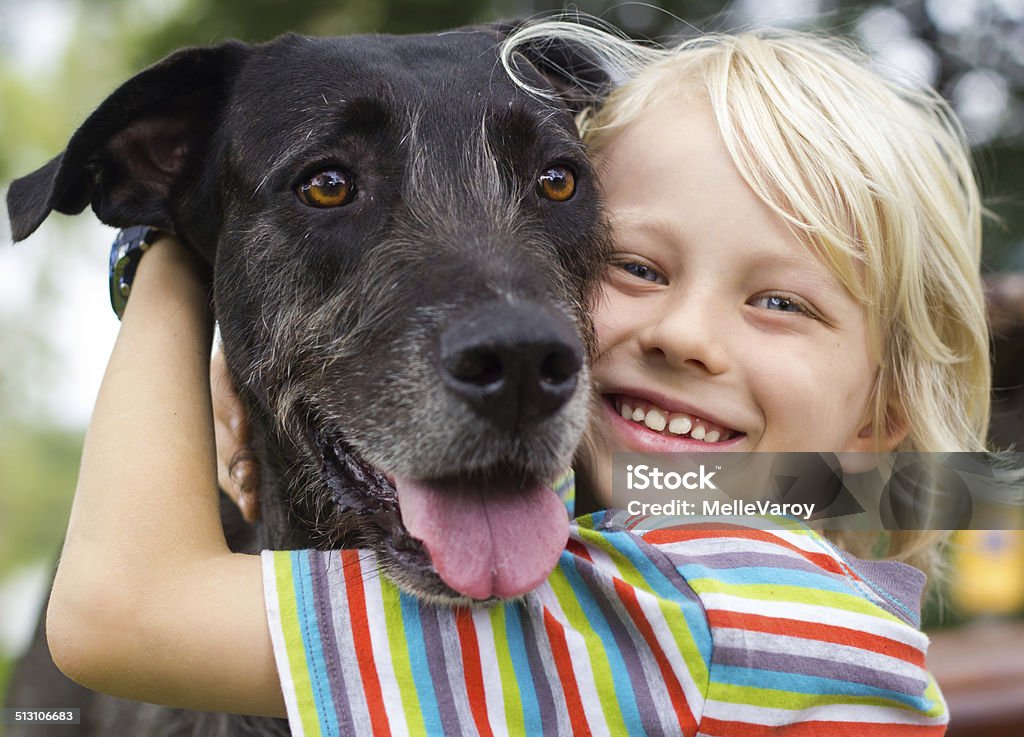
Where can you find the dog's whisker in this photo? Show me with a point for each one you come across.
(260, 185)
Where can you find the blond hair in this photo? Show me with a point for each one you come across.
(874, 175)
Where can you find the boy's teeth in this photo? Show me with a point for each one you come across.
(676, 423)
(655, 420)
(680, 425)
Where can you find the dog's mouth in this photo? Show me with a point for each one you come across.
(494, 533)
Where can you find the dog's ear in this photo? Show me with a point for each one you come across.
(575, 70)
(132, 157)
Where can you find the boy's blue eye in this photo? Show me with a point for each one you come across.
(642, 271)
(780, 303)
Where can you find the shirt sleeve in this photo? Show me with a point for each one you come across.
(806, 640)
(290, 651)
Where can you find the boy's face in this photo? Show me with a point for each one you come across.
(717, 328)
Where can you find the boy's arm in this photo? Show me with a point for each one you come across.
(148, 602)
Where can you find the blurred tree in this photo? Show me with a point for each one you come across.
(41, 465)
(975, 52)
(260, 20)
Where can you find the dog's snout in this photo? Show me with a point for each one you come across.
(514, 364)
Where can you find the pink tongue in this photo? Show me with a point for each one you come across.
(484, 542)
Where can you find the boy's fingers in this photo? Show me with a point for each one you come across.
(238, 477)
(244, 479)
(237, 470)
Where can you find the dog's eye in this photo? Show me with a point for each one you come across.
(557, 183)
(327, 188)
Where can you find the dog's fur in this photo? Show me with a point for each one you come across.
(334, 321)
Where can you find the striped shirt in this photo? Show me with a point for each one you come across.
(734, 631)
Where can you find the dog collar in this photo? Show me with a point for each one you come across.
(125, 254)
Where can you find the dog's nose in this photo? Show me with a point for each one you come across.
(514, 364)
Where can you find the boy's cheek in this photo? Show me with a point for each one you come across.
(615, 319)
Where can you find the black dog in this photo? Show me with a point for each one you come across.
(402, 243)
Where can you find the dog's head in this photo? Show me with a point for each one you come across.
(403, 242)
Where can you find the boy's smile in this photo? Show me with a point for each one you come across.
(718, 328)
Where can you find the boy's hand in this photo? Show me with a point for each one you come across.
(237, 468)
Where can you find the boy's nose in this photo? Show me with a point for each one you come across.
(687, 332)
